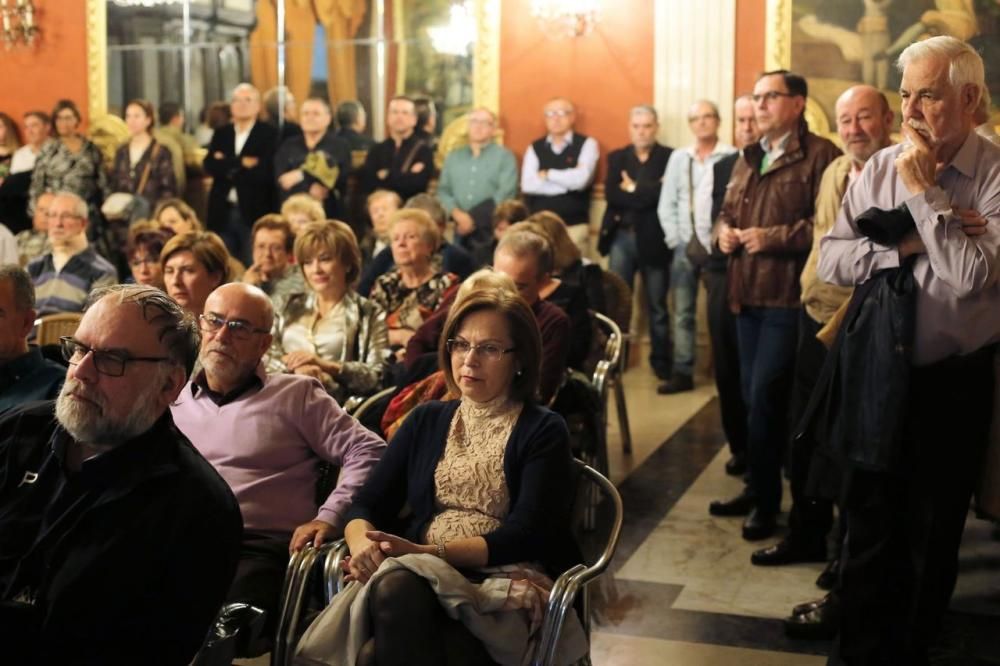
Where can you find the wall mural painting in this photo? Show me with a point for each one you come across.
(839, 44)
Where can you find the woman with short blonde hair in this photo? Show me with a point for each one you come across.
(330, 332)
(301, 209)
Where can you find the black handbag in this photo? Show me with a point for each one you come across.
(610, 224)
(695, 251)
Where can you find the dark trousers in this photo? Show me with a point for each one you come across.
(810, 518)
(726, 361)
(900, 560)
(259, 576)
(767, 338)
(235, 233)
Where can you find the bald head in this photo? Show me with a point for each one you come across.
(864, 122)
(235, 334)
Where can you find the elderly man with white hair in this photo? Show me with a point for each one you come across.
(65, 276)
(905, 523)
(240, 161)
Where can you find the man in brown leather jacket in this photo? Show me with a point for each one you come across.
(766, 229)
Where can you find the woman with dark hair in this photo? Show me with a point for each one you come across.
(9, 143)
(72, 163)
(145, 242)
(487, 479)
(143, 167)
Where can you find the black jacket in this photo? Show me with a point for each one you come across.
(637, 210)
(293, 154)
(127, 561)
(400, 164)
(255, 187)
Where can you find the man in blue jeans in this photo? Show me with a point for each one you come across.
(766, 229)
(685, 212)
(632, 189)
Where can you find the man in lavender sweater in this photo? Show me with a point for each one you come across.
(265, 434)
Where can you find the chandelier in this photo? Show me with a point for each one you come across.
(145, 3)
(17, 22)
(566, 18)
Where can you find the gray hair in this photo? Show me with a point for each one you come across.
(24, 290)
(78, 202)
(430, 205)
(710, 103)
(177, 328)
(644, 108)
(521, 241)
(965, 64)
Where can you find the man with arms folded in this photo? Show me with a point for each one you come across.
(266, 434)
(558, 170)
(905, 523)
(117, 540)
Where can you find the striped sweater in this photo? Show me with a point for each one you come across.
(66, 290)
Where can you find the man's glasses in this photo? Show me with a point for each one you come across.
(488, 351)
(557, 113)
(65, 217)
(107, 363)
(241, 330)
(769, 96)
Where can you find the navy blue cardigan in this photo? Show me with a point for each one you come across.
(539, 478)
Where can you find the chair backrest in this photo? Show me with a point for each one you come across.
(573, 581)
(617, 300)
(54, 326)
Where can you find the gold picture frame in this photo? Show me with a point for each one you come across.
(486, 67)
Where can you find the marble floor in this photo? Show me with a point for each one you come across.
(682, 589)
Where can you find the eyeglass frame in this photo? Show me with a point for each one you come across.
(100, 354)
(451, 342)
(235, 326)
(557, 113)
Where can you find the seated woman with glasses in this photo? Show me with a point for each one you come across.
(330, 332)
(142, 250)
(415, 288)
(488, 482)
(193, 265)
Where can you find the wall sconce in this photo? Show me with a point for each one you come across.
(566, 18)
(18, 22)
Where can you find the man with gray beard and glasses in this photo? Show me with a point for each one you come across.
(117, 540)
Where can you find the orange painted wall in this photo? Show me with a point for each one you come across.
(604, 73)
(54, 68)
(751, 26)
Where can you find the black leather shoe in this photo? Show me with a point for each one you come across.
(816, 623)
(759, 525)
(828, 579)
(787, 551)
(676, 384)
(740, 505)
(809, 606)
(736, 466)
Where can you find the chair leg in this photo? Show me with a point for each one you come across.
(622, 410)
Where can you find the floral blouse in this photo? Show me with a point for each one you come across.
(57, 168)
(406, 307)
(161, 182)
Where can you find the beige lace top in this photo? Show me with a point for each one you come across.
(470, 488)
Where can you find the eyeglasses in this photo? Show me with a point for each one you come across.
(769, 96)
(107, 363)
(65, 217)
(704, 116)
(488, 351)
(557, 113)
(140, 261)
(211, 323)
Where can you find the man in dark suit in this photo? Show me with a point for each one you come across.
(403, 163)
(631, 232)
(722, 322)
(241, 162)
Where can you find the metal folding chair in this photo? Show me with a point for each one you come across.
(608, 376)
